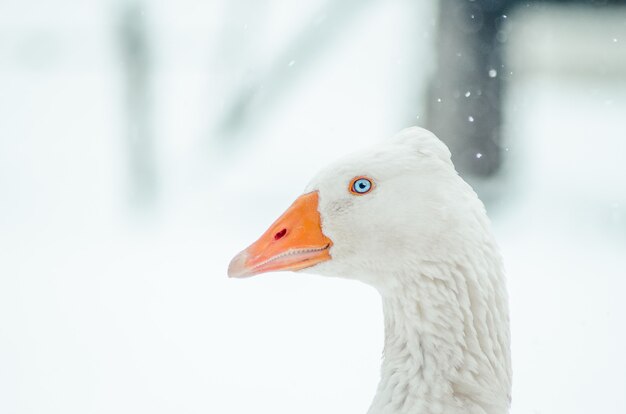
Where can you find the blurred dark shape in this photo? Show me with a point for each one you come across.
(464, 104)
(142, 168)
(465, 97)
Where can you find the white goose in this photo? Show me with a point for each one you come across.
(399, 217)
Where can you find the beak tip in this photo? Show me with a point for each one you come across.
(237, 267)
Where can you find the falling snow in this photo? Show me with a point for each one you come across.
(293, 62)
(470, 118)
(467, 94)
(493, 73)
(479, 155)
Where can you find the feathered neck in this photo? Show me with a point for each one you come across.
(446, 339)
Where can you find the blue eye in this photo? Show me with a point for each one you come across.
(361, 186)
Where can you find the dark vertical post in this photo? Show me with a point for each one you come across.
(464, 107)
(140, 139)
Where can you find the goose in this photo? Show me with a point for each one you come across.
(399, 217)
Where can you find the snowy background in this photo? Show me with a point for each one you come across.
(128, 181)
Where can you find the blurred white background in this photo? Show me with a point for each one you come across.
(143, 145)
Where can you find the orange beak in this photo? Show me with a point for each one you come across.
(295, 241)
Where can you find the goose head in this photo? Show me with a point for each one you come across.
(367, 216)
(398, 217)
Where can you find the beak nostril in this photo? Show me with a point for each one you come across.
(280, 234)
